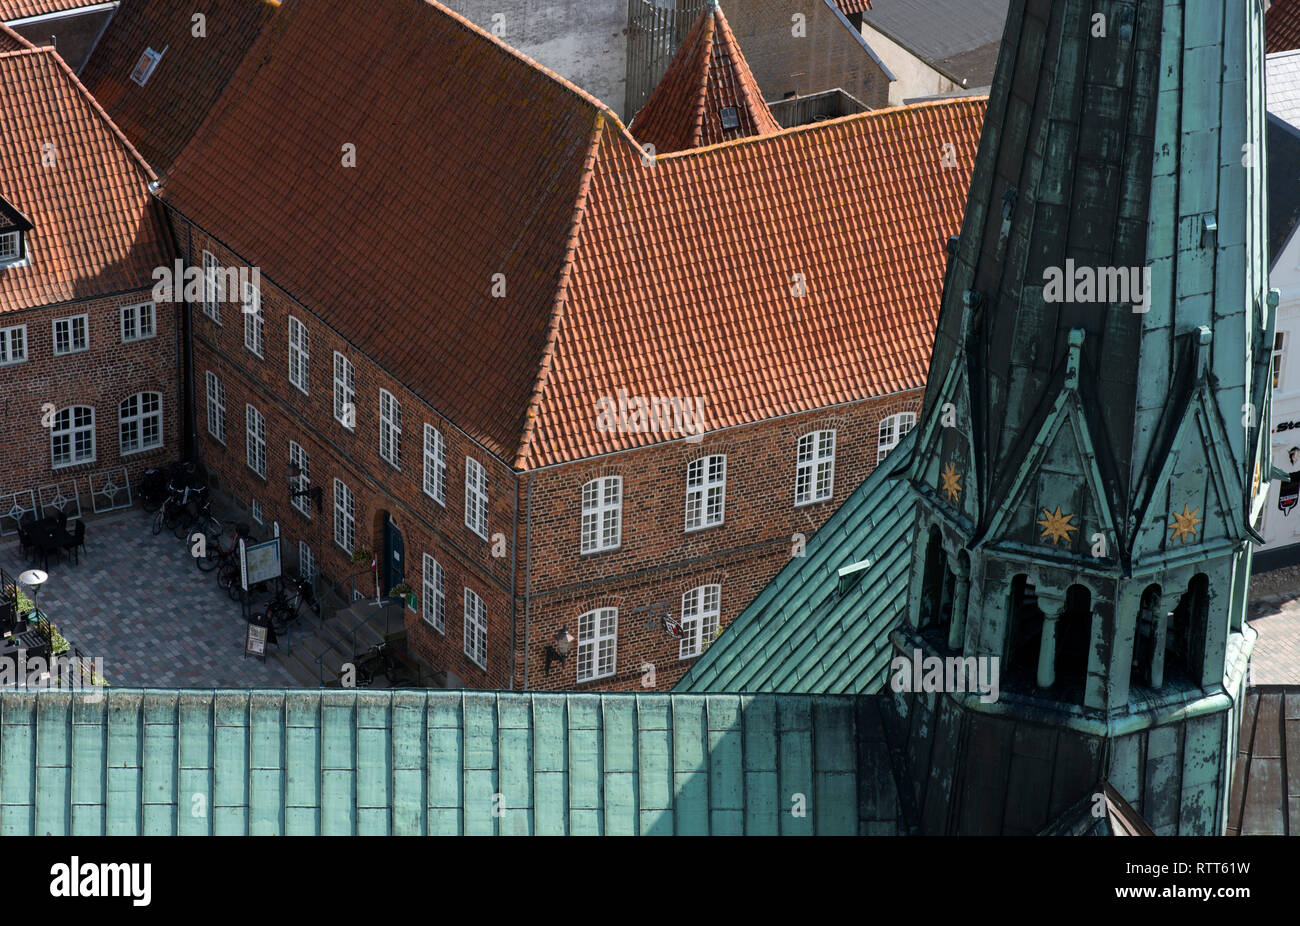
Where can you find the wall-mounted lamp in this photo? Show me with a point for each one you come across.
(315, 493)
(559, 650)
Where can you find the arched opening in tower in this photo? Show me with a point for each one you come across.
(937, 587)
(1024, 632)
(1144, 638)
(1073, 643)
(1185, 639)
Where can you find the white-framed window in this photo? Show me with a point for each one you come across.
(433, 603)
(891, 431)
(475, 629)
(706, 492)
(140, 422)
(298, 456)
(254, 320)
(345, 409)
(1279, 358)
(306, 562)
(390, 429)
(597, 644)
(13, 344)
(72, 438)
(256, 508)
(815, 468)
(255, 440)
(144, 68)
(602, 514)
(435, 465)
(138, 322)
(345, 517)
(71, 335)
(11, 247)
(216, 406)
(701, 610)
(476, 497)
(299, 353)
(211, 283)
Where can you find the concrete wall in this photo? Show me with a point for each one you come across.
(584, 41)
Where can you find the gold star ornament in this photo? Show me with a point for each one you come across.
(951, 482)
(1184, 525)
(1056, 526)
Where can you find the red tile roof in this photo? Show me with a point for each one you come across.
(849, 7)
(1282, 26)
(96, 228)
(685, 274)
(708, 74)
(669, 280)
(163, 115)
(11, 10)
(12, 41)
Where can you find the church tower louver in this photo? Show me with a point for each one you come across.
(1087, 464)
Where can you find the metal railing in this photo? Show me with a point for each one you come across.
(349, 636)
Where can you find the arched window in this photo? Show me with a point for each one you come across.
(891, 431)
(298, 457)
(72, 436)
(139, 422)
(1144, 638)
(1024, 631)
(934, 581)
(1074, 642)
(1185, 636)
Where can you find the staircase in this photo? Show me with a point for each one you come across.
(315, 650)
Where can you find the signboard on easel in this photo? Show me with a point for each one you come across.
(255, 642)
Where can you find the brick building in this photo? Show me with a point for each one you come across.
(453, 301)
(89, 384)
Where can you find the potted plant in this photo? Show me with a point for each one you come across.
(403, 593)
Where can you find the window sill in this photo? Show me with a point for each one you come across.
(72, 464)
(702, 527)
(440, 501)
(815, 501)
(132, 453)
(13, 363)
(601, 550)
(147, 337)
(70, 353)
(296, 386)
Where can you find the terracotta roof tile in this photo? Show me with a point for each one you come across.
(708, 94)
(163, 115)
(12, 41)
(669, 280)
(849, 7)
(11, 10)
(470, 161)
(75, 252)
(1282, 26)
(685, 277)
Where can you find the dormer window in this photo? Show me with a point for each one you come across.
(144, 68)
(11, 247)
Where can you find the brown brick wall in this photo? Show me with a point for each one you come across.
(657, 560)
(100, 377)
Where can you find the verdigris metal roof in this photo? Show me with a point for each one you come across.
(800, 633)
(165, 761)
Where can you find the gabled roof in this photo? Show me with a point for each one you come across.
(802, 634)
(163, 115)
(673, 280)
(12, 10)
(708, 94)
(74, 252)
(1282, 26)
(429, 762)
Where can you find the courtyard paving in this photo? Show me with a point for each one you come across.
(1274, 611)
(138, 602)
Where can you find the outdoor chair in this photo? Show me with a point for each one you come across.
(76, 540)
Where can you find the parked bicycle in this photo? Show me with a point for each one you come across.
(214, 554)
(284, 608)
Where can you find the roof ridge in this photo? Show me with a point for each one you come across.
(817, 126)
(89, 97)
(746, 84)
(23, 42)
(561, 297)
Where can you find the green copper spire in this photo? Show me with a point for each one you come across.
(1086, 466)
